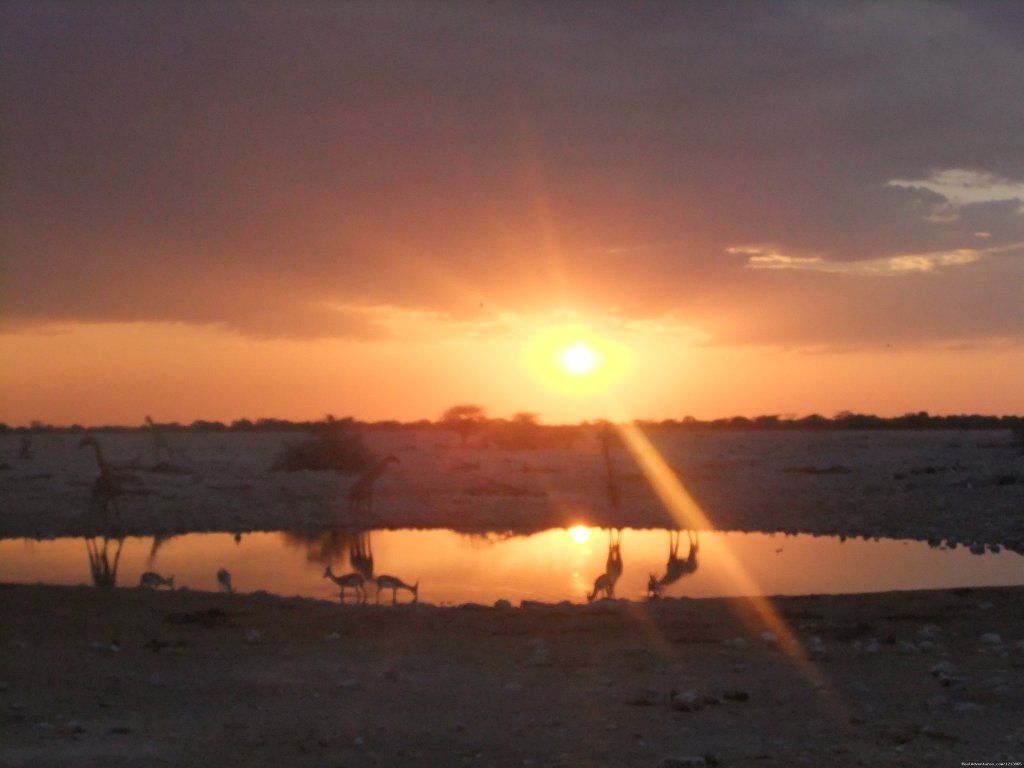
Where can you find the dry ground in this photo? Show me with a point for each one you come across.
(132, 677)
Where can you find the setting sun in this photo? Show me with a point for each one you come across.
(579, 359)
(575, 359)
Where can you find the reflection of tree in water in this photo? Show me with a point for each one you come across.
(331, 547)
(323, 547)
(104, 572)
(488, 539)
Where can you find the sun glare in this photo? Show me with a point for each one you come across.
(579, 534)
(579, 359)
(574, 360)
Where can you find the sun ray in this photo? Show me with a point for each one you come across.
(688, 514)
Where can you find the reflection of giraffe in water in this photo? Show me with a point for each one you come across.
(613, 565)
(105, 488)
(675, 569)
(612, 569)
(104, 573)
(160, 442)
(360, 495)
(361, 555)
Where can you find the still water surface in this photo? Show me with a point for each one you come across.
(554, 565)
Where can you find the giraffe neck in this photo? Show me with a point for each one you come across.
(378, 469)
(613, 489)
(99, 458)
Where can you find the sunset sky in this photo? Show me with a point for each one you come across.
(253, 209)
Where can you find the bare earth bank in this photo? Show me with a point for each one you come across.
(135, 677)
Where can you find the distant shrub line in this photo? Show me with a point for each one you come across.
(524, 429)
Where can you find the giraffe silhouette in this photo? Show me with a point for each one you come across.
(160, 441)
(106, 487)
(611, 481)
(360, 495)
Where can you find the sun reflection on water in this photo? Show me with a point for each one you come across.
(549, 566)
(579, 534)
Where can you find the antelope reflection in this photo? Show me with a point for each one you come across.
(676, 568)
(605, 583)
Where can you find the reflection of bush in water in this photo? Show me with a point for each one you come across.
(487, 539)
(335, 446)
(324, 547)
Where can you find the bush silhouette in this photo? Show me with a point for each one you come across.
(337, 446)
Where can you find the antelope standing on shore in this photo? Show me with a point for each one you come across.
(613, 567)
(354, 581)
(653, 587)
(603, 583)
(394, 584)
(154, 580)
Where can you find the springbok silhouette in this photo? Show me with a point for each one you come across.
(154, 580)
(605, 583)
(352, 581)
(394, 584)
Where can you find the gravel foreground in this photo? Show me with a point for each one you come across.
(125, 677)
